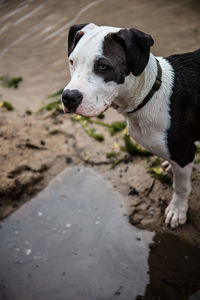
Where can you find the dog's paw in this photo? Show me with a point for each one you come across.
(176, 214)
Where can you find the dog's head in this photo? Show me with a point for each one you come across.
(101, 59)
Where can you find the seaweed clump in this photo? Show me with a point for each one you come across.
(7, 105)
(155, 169)
(90, 131)
(10, 82)
(50, 106)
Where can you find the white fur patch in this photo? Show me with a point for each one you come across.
(176, 212)
(148, 126)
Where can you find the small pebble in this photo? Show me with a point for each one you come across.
(118, 292)
(42, 142)
(133, 191)
(18, 261)
(68, 160)
(28, 252)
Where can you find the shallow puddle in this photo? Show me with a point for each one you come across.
(174, 269)
(73, 241)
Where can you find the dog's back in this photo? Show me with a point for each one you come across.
(187, 74)
(185, 106)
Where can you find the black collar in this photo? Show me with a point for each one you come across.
(155, 88)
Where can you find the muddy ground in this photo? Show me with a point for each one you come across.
(35, 146)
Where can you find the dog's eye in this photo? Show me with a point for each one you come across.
(102, 67)
(71, 62)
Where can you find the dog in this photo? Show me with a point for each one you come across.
(159, 97)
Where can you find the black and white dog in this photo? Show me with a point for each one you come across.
(159, 97)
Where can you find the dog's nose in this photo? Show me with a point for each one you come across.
(71, 99)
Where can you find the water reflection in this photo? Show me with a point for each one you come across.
(174, 269)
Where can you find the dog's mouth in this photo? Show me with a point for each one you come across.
(85, 112)
(66, 111)
(90, 109)
(91, 113)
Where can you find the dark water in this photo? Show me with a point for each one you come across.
(174, 269)
(73, 241)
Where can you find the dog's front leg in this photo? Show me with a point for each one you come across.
(176, 212)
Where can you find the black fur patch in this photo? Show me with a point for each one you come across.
(126, 51)
(137, 48)
(115, 59)
(73, 37)
(185, 107)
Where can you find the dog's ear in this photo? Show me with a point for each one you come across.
(137, 48)
(73, 38)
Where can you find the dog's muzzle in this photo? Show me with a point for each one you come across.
(71, 99)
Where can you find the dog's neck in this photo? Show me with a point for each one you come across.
(135, 89)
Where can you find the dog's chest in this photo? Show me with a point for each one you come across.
(149, 126)
(151, 134)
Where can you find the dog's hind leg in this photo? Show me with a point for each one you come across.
(176, 212)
